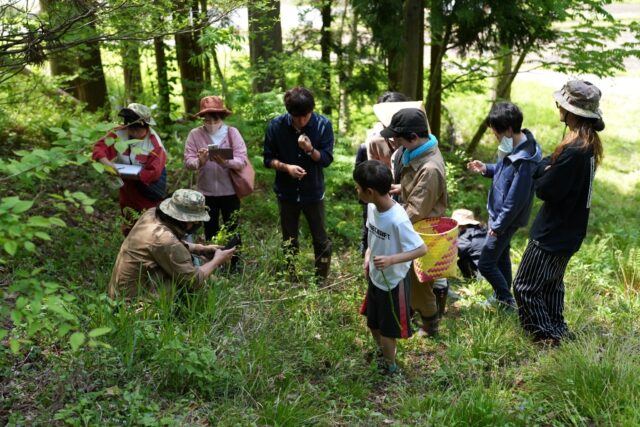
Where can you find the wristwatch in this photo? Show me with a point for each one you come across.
(310, 152)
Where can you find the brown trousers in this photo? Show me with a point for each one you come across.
(423, 300)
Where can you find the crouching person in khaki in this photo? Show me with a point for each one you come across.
(154, 254)
(423, 193)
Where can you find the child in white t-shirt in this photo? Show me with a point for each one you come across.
(392, 245)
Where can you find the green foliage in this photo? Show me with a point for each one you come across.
(182, 367)
(125, 406)
(43, 311)
(20, 231)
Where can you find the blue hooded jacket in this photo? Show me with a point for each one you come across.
(511, 193)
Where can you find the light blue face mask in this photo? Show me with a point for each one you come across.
(506, 146)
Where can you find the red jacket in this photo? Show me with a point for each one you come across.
(148, 153)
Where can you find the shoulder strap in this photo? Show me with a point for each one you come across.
(229, 135)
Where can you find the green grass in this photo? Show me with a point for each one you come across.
(257, 350)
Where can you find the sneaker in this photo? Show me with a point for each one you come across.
(452, 295)
(391, 370)
(492, 302)
(509, 306)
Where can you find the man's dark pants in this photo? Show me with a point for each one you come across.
(315, 216)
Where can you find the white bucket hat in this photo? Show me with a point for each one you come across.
(384, 111)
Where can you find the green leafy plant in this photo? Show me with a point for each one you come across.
(19, 230)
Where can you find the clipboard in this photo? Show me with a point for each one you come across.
(225, 153)
(128, 171)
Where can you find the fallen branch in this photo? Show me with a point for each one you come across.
(56, 91)
(300, 295)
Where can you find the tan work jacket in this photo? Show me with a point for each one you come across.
(152, 256)
(424, 186)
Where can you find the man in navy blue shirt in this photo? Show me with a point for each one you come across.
(299, 145)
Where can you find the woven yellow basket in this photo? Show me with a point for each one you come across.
(440, 235)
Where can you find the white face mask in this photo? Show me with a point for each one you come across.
(213, 127)
(506, 146)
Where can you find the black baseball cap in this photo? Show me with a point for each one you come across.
(406, 121)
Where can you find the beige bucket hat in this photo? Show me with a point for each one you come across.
(385, 110)
(464, 217)
(581, 98)
(141, 111)
(186, 205)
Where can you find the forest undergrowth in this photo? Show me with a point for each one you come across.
(256, 349)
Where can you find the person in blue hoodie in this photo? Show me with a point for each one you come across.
(510, 196)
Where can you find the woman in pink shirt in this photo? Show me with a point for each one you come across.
(213, 171)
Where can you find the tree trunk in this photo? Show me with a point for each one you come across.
(206, 71)
(164, 103)
(325, 49)
(420, 91)
(394, 69)
(206, 63)
(504, 90)
(191, 73)
(440, 34)
(63, 64)
(130, 51)
(413, 37)
(345, 67)
(218, 70)
(198, 11)
(92, 86)
(265, 45)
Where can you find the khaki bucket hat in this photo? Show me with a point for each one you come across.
(464, 217)
(186, 205)
(141, 111)
(580, 98)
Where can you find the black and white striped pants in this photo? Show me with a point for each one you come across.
(539, 292)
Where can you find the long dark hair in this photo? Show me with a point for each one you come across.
(586, 134)
(180, 225)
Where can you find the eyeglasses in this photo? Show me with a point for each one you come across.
(557, 105)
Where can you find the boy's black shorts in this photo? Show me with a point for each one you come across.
(381, 316)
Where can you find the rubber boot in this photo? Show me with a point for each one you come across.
(323, 264)
(431, 325)
(441, 299)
